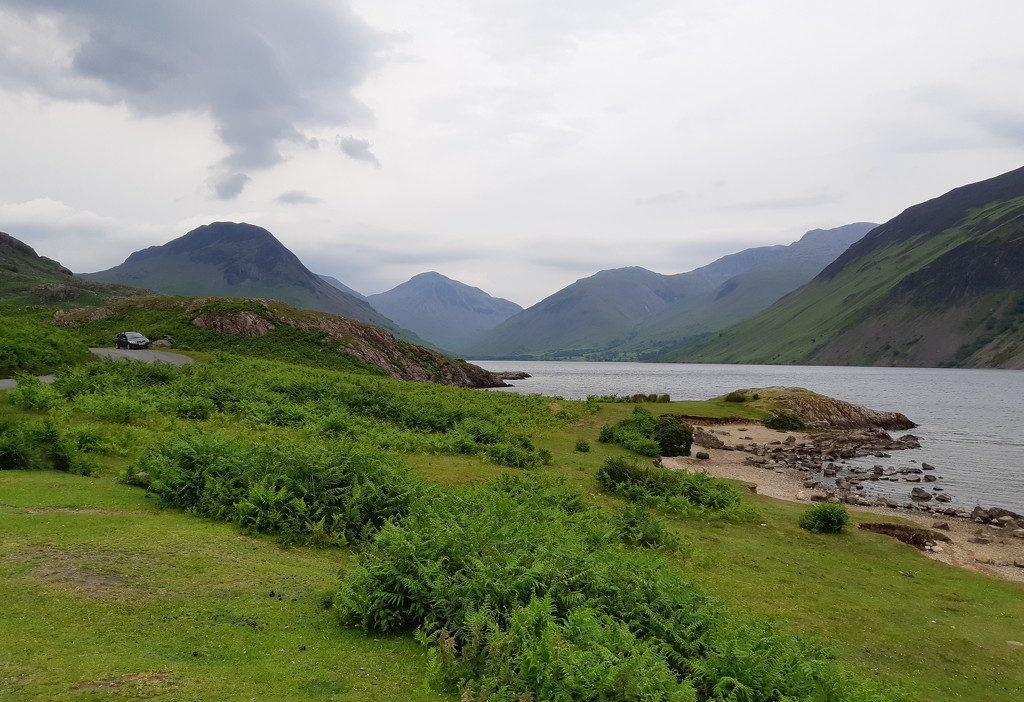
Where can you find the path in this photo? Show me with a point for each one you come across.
(149, 356)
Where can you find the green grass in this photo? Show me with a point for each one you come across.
(109, 595)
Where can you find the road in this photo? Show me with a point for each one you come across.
(150, 356)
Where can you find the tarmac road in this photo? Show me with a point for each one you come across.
(148, 355)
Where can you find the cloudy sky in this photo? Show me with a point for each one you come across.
(515, 145)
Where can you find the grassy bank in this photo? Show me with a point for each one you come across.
(162, 588)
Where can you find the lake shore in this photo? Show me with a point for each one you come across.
(995, 558)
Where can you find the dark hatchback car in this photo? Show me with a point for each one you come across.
(131, 340)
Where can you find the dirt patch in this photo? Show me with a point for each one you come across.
(915, 536)
(94, 574)
(141, 684)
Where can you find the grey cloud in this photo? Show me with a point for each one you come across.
(296, 197)
(358, 149)
(263, 71)
(230, 185)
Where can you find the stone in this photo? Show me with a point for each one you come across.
(941, 525)
(920, 494)
(1018, 562)
(943, 498)
(810, 483)
(985, 560)
(937, 548)
(1019, 533)
(930, 478)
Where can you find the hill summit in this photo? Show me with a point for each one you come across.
(236, 259)
(443, 311)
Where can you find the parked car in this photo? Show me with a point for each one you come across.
(131, 340)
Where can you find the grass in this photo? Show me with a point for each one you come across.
(109, 595)
(137, 602)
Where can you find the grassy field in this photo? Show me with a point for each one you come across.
(111, 593)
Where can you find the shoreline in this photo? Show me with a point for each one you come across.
(995, 557)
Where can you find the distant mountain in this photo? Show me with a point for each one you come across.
(238, 260)
(942, 284)
(634, 313)
(27, 278)
(443, 311)
(341, 286)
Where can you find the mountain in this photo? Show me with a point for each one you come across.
(443, 311)
(237, 260)
(942, 284)
(27, 278)
(330, 280)
(634, 313)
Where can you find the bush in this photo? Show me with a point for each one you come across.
(673, 434)
(33, 394)
(301, 492)
(703, 455)
(785, 421)
(634, 525)
(825, 518)
(40, 447)
(583, 446)
(736, 396)
(675, 490)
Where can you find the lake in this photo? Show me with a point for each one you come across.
(969, 421)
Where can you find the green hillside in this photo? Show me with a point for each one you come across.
(940, 285)
(29, 279)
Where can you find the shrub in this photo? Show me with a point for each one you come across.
(785, 421)
(673, 434)
(825, 518)
(582, 446)
(33, 394)
(736, 396)
(305, 493)
(703, 455)
(634, 525)
(670, 489)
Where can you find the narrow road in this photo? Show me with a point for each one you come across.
(148, 356)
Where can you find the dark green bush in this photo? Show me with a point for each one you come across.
(518, 597)
(673, 434)
(785, 421)
(703, 455)
(35, 347)
(736, 396)
(671, 489)
(825, 518)
(582, 446)
(40, 447)
(302, 492)
(635, 526)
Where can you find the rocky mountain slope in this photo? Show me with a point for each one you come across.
(942, 284)
(238, 260)
(634, 313)
(449, 314)
(27, 278)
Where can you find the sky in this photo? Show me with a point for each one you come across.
(513, 145)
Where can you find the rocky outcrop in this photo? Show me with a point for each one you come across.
(241, 323)
(401, 360)
(74, 317)
(917, 537)
(820, 412)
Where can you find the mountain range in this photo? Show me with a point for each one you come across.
(941, 284)
(635, 314)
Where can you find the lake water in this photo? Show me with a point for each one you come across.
(969, 421)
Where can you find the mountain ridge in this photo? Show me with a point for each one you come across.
(941, 284)
(632, 313)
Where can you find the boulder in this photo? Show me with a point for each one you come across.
(920, 494)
